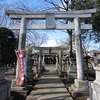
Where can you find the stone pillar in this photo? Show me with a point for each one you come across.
(79, 51)
(40, 61)
(94, 86)
(30, 64)
(22, 39)
(56, 62)
(71, 70)
(60, 62)
(80, 85)
(21, 45)
(42, 69)
(43, 59)
(22, 36)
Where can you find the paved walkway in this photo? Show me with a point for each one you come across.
(49, 87)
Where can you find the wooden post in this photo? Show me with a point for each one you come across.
(79, 53)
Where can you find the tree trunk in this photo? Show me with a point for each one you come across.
(70, 43)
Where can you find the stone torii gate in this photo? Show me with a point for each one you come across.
(57, 52)
(51, 17)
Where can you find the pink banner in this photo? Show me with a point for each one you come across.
(21, 75)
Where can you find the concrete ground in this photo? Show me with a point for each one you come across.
(49, 87)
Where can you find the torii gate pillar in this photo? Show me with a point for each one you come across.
(60, 62)
(80, 84)
(22, 35)
(40, 61)
(22, 40)
(79, 51)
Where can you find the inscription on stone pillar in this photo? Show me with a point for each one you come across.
(50, 21)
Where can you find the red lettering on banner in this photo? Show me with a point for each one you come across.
(21, 77)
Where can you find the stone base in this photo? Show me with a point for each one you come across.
(5, 89)
(71, 76)
(13, 84)
(29, 75)
(79, 87)
(21, 90)
(18, 89)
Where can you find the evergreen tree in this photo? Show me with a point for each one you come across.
(95, 21)
(7, 47)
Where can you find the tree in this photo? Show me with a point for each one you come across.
(5, 21)
(35, 38)
(7, 47)
(90, 4)
(94, 34)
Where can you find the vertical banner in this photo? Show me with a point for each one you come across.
(22, 70)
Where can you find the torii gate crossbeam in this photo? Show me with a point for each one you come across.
(51, 15)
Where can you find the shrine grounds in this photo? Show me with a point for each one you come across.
(9, 75)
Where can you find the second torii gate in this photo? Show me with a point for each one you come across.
(50, 18)
(57, 53)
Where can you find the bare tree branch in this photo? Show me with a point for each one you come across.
(63, 4)
(57, 7)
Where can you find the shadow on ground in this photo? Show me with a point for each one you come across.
(89, 75)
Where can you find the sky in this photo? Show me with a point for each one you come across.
(54, 36)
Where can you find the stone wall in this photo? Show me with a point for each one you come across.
(4, 86)
(94, 86)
